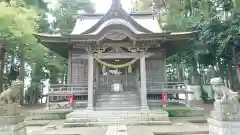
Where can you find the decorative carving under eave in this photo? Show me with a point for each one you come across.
(115, 35)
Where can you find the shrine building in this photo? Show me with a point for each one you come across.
(116, 60)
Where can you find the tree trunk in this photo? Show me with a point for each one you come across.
(181, 73)
(2, 61)
(66, 78)
(230, 74)
(220, 69)
(22, 73)
(195, 72)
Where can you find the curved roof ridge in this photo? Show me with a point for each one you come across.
(117, 11)
(116, 21)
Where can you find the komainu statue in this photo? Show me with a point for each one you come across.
(12, 92)
(222, 93)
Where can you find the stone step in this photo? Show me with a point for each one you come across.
(109, 99)
(102, 104)
(116, 108)
(118, 102)
(129, 123)
(124, 89)
(119, 97)
(119, 93)
(123, 103)
(117, 105)
(115, 114)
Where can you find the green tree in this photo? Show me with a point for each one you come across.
(66, 13)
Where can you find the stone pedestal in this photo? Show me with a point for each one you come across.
(226, 111)
(217, 127)
(11, 121)
(225, 118)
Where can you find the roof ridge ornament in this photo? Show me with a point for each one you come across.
(116, 4)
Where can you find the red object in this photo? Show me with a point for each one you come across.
(70, 99)
(164, 98)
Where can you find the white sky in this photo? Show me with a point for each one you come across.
(102, 6)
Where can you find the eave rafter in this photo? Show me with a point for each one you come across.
(99, 39)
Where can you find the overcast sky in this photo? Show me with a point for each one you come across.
(102, 6)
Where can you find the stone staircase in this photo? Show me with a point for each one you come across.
(129, 99)
(81, 118)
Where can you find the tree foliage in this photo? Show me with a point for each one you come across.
(218, 25)
(65, 13)
(19, 20)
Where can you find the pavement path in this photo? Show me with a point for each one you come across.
(178, 127)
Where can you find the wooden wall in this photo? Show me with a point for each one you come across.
(78, 68)
(155, 67)
(155, 70)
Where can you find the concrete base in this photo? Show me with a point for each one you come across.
(80, 118)
(223, 127)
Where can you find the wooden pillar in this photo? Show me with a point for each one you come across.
(90, 82)
(97, 75)
(143, 92)
(69, 67)
(137, 77)
(126, 77)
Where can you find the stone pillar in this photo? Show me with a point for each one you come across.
(90, 83)
(143, 91)
(11, 121)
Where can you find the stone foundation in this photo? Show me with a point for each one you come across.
(11, 121)
(80, 118)
(217, 127)
(226, 111)
(225, 118)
